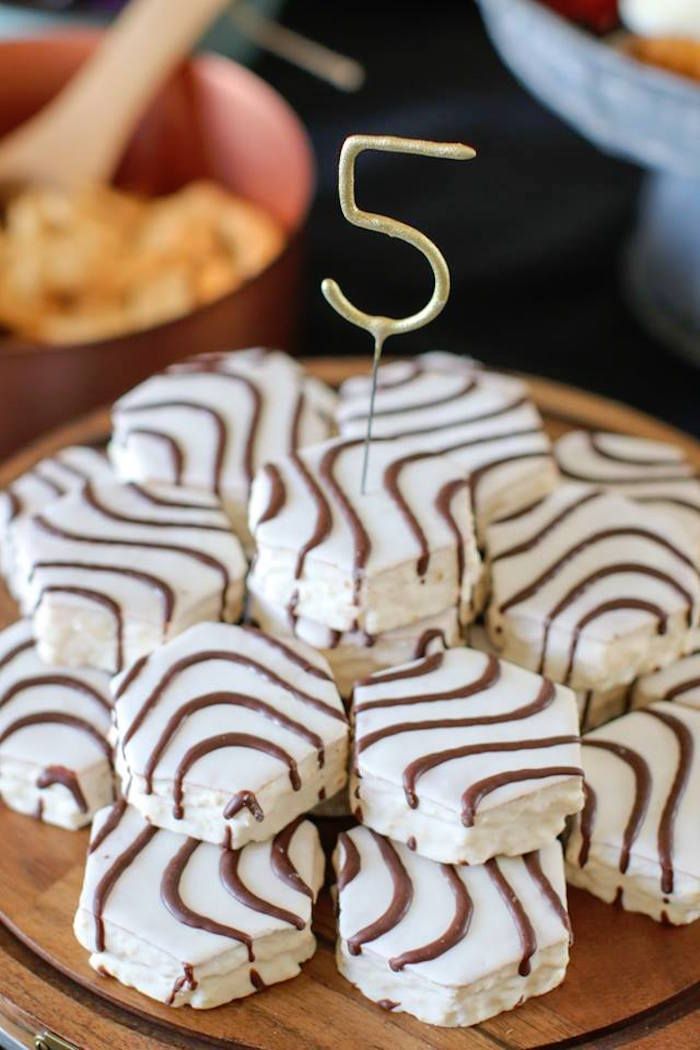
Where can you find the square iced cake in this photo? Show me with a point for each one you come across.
(591, 588)
(228, 734)
(112, 570)
(637, 840)
(463, 756)
(186, 922)
(55, 759)
(451, 945)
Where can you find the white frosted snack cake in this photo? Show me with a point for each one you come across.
(353, 655)
(55, 759)
(228, 734)
(637, 840)
(451, 945)
(186, 922)
(212, 421)
(112, 570)
(595, 707)
(650, 472)
(449, 404)
(463, 757)
(43, 483)
(399, 553)
(678, 682)
(591, 588)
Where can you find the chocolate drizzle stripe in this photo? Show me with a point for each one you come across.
(164, 589)
(281, 862)
(243, 800)
(54, 486)
(220, 742)
(278, 494)
(229, 863)
(16, 506)
(423, 644)
(401, 898)
(589, 541)
(322, 524)
(533, 864)
(111, 822)
(591, 478)
(7, 658)
(542, 701)
(291, 654)
(391, 482)
(488, 678)
(224, 699)
(360, 537)
(479, 790)
(155, 523)
(177, 456)
(64, 681)
(516, 515)
(61, 718)
(525, 929)
(681, 688)
(595, 442)
(68, 779)
(91, 595)
(159, 500)
(173, 548)
(537, 537)
(455, 932)
(674, 501)
(443, 505)
(466, 386)
(220, 431)
(131, 676)
(172, 899)
(194, 659)
(686, 749)
(352, 862)
(615, 605)
(642, 794)
(420, 766)
(427, 665)
(618, 569)
(587, 822)
(104, 887)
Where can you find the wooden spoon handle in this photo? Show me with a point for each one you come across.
(82, 132)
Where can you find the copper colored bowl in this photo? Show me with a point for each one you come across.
(214, 119)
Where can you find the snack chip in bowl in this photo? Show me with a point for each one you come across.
(97, 263)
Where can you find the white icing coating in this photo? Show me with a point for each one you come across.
(651, 472)
(637, 799)
(353, 655)
(113, 570)
(43, 483)
(483, 965)
(55, 762)
(457, 789)
(675, 18)
(679, 682)
(147, 947)
(486, 422)
(594, 707)
(364, 574)
(196, 721)
(211, 422)
(592, 589)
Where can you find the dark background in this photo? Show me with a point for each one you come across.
(533, 230)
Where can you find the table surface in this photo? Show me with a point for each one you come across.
(533, 230)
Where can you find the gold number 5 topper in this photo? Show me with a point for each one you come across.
(378, 326)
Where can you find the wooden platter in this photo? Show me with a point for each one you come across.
(631, 982)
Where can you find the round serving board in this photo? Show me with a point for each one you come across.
(631, 981)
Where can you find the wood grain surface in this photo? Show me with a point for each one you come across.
(631, 981)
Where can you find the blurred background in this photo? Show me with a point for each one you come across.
(534, 230)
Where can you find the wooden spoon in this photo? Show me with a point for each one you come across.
(79, 137)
